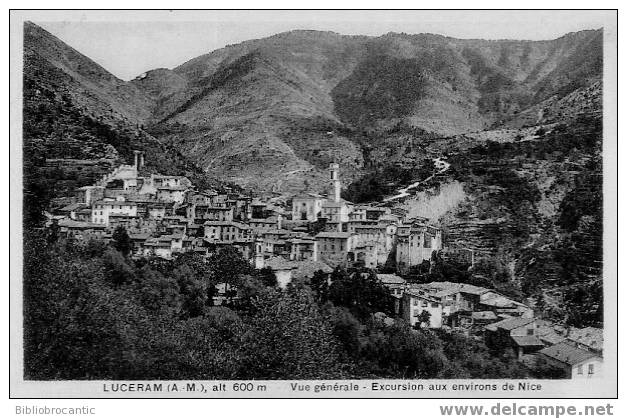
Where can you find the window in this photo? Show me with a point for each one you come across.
(529, 331)
(424, 304)
(580, 369)
(590, 368)
(434, 305)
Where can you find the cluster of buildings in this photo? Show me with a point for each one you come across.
(166, 215)
(503, 323)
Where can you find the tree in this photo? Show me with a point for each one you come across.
(228, 266)
(266, 276)
(320, 286)
(193, 291)
(289, 338)
(472, 359)
(361, 292)
(424, 318)
(76, 326)
(121, 241)
(402, 352)
(119, 272)
(248, 291)
(157, 293)
(347, 329)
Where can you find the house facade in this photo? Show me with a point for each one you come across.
(574, 362)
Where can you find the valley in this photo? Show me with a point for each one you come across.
(511, 129)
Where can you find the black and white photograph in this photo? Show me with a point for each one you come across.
(239, 203)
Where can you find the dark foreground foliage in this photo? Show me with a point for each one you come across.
(92, 313)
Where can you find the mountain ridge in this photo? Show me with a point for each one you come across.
(289, 104)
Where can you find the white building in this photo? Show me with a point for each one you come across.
(307, 207)
(102, 209)
(415, 302)
(575, 362)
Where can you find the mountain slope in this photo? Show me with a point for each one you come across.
(99, 88)
(79, 121)
(272, 113)
(266, 110)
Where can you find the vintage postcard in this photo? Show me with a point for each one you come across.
(328, 204)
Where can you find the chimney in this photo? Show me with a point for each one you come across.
(136, 161)
(141, 159)
(334, 170)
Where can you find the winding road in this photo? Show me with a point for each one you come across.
(440, 164)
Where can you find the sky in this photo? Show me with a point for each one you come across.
(129, 43)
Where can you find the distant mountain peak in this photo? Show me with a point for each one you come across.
(240, 110)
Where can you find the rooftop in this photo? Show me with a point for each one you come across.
(391, 279)
(72, 224)
(484, 315)
(279, 263)
(446, 288)
(140, 237)
(307, 268)
(527, 341)
(71, 207)
(333, 234)
(308, 196)
(173, 188)
(551, 338)
(227, 223)
(513, 323)
(422, 294)
(567, 353)
(115, 203)
(161, 176)
(90, 187)
(213, 207)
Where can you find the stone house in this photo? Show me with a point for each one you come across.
(575, 362)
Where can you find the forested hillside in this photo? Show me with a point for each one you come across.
(79, 122)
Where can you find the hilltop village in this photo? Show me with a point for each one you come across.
(166, 215)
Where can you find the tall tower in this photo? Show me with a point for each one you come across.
(334, 171)
(136, 161)
(139, 159)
